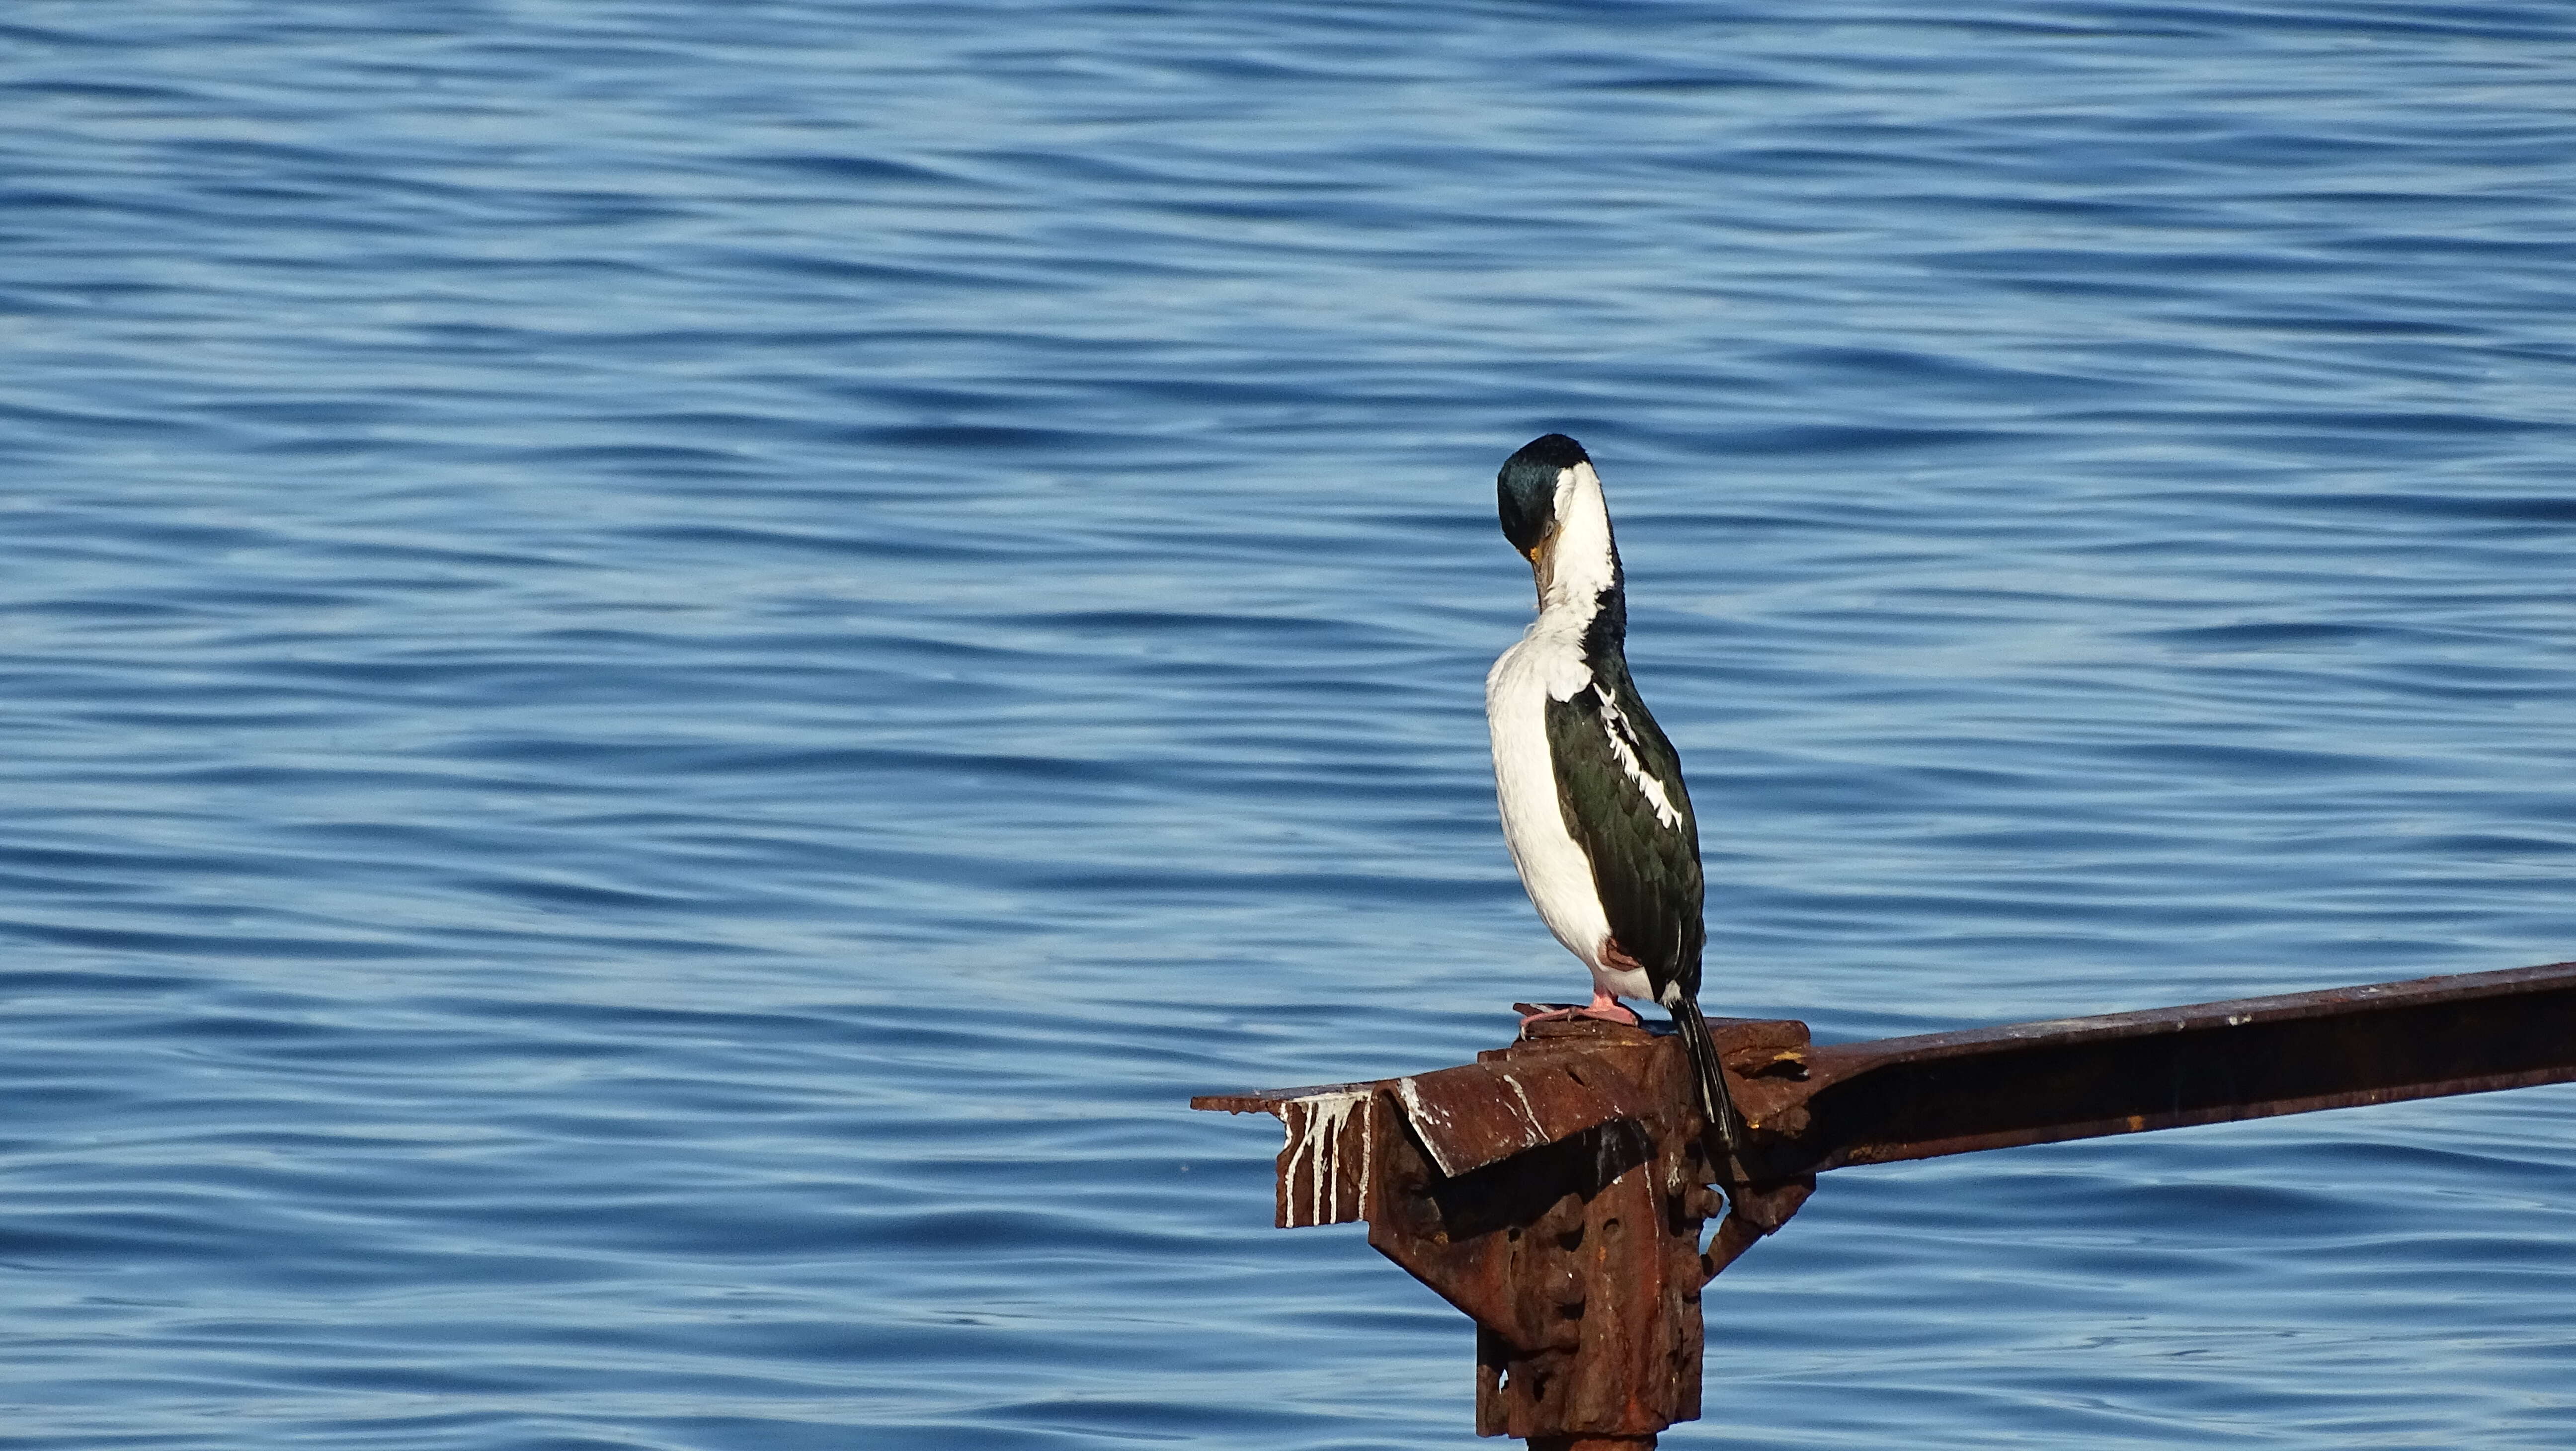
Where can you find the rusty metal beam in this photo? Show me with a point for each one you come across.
(1554, 1190)
(1815, 1107)
(2074, 1078)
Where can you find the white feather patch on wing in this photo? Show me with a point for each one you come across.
(1623, 747)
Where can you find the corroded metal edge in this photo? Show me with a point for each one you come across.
(1829, 1106)
(1937, 1094)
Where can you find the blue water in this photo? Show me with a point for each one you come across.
(673, 671)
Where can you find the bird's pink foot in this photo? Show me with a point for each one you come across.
(1603, 1006)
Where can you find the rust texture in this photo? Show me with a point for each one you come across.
(1578, 1260)
(2075, 1078)
(1556, 1190)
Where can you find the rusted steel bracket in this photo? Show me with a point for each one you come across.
(1555, 1190)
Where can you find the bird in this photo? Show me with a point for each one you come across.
(1594, 808)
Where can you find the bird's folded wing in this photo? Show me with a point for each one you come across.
(1620, 785)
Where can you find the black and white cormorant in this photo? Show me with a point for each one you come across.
(1593, 804)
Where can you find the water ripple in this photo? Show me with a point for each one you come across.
(677, 670)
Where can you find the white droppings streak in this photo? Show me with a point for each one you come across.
(1529, 1111)
(1431, 1123)
(1315, 1134)
(1414, 1107)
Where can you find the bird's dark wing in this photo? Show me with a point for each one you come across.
(1647, 872)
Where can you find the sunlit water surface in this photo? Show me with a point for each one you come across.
(674, 671)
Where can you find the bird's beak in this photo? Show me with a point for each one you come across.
(1538, 554)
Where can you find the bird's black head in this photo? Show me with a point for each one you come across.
(1526, 489)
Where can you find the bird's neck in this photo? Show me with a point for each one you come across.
(1585, 585)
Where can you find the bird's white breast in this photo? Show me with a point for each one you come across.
(1547, 664)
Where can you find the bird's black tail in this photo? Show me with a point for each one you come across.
(1714, 1104)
